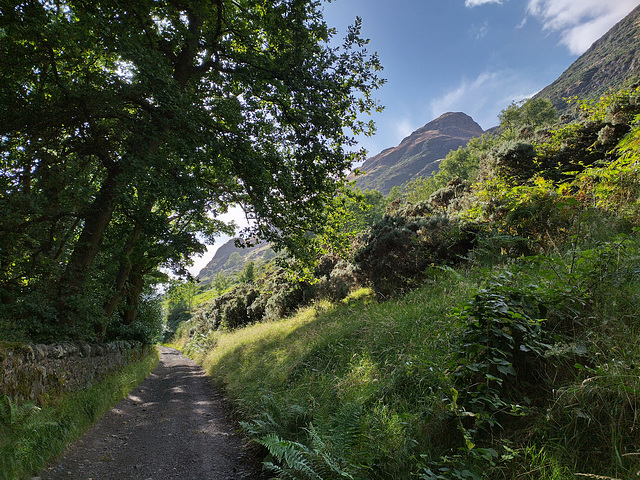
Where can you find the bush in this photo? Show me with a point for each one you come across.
(231, 310)
(394, 254)
(451, 194)
(336, 278)
(514, 160)
(275, 297)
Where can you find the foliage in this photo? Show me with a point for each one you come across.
(336, 278)
(317, 461)
(395, 253)
(248, 273)
(126, 130)
(524, 117)
(502, 351)
(149, 326)
(504, 385)
(271, 297)
(514, 161)
(592, 139)
(529, 218)
(614, 187)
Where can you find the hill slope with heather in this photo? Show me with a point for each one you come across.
(611, 63)
(418, 154)
(230, 259)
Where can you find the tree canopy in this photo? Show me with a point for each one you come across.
(527, 114)
(126, 128)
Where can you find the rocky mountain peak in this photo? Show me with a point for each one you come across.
(420, 153)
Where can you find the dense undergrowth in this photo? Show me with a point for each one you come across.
(31, 436)
(520, 371)
(499, 335)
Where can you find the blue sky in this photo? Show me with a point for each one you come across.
(472, 56)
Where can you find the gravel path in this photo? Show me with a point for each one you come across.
(173, 425)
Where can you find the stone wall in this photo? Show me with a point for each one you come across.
(34, 372)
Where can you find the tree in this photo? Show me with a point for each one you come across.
(126, 128)
(248, 273)
(527, 114)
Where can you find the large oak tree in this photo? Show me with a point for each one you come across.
(127, 127)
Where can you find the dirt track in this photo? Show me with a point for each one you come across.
(173, 425)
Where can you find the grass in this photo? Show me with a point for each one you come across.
(380, 362)
(31, 436)
(363, 389)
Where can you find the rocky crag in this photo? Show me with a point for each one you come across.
(419, 154)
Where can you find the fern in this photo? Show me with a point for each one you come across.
(346, 429)
(295, 458)
(323, 457)
(12, 413)
(21, 431)
(330, 463)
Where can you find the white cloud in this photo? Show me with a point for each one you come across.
(484, 97)
(579, 22)
(403, 129)
(476, 3)
(478, 32)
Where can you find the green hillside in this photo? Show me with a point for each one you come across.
(609, 65)
(489, 330)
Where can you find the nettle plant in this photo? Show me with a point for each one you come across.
(494, 377)
(502, 340)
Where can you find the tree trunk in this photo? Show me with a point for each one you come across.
(123, 273)
(96, 222)
(136, 285)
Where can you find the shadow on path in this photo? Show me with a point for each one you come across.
(173, 425)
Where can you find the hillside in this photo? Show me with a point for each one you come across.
(612, 63)
(488, 332)
(418, 154)
(226, 262)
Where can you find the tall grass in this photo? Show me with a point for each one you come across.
(371, 390)
(302, 378)
(31, 436)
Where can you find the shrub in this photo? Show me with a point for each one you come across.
(395, 253)
(275, 296)
(336, 278)
(514, 160)
(450, 194)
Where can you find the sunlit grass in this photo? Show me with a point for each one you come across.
(381, 359)
(386, 368)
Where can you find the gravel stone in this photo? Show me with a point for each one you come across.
(173, 425)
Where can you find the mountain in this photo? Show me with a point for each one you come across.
(611, 63)
(230, 259)
(419, 154)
